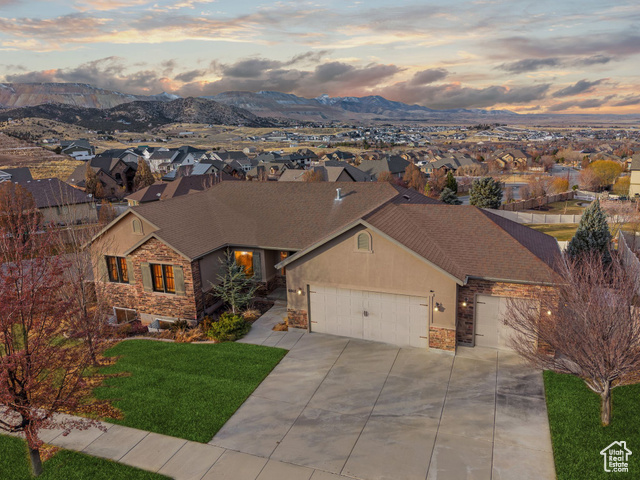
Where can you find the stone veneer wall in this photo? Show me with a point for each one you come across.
(442, 338)
(465, 318)
(152, 304)
(297, 318)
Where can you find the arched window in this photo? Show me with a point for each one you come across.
(137, 226)
(364, 242)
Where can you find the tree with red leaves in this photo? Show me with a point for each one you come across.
(41, 371)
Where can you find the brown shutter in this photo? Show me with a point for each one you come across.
(146, 277)
(178, 277)
(130, 270)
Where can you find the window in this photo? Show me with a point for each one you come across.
(364, 242)
(163, 278)
(245, 259)
(136, 225)
(124, 315)
(283, 257)
(117, 267)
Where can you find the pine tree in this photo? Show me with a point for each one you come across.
(143, 177)
(449, 196)
(235, 288)
(593, 235)
(485, 193)
(451, 182)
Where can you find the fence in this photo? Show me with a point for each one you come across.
(629, 259)
(526, 217)
(537, 202)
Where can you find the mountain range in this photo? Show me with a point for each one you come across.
(141, 115)
(91, 106)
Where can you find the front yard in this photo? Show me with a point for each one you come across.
(184, 390)
(64, 465)
(578, 437)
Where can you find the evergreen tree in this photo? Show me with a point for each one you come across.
(485, 193)
(235, 288)
(449, 196)
(593, 235)
(143, 177)
(451, 182)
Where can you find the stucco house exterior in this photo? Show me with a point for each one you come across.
(634, 185)
(365, 260)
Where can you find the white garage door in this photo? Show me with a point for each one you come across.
(382, 317)
(490, 329)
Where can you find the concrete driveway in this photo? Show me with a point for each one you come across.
(373, 411)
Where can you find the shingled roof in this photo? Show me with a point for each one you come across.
(464, 241)
(282, 215)
(53, 192)
(470, 242)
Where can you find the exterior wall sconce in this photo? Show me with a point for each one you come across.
(549, 312)
(438, 307)
(464, 303)
(299, 291)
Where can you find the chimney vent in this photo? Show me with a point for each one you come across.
(338, 194)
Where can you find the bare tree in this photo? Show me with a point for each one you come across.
(588, 326)
(41, 373)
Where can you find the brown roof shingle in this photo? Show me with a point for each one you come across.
(286, 215)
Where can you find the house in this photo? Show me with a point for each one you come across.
(366, 260)
(394, 164)
(332, 171)
(512, 158)
(115, 173)
(450, 163)
(78, 149)
(18, 175)
(634, 185)
(180, 186)
(60, 203)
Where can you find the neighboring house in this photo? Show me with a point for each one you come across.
(271, 171)
(160, 159)
(18, 175)
(634, 186)
(116, 174)
(60, 203)
(367, 260)
(179, 187)
(512, 158)
(78, 149)
(330, 173)
(394, 164)
(449, 163)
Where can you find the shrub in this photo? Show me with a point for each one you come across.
(229, 328)
(251, 314)
(179, 325)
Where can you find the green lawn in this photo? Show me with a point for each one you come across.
(578, 438)
(561, 231)
(65, 465)
(184, 390)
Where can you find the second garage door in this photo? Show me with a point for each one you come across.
(490, 329)
(384, 317)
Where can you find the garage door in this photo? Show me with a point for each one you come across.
(382, 317)
(490, 329)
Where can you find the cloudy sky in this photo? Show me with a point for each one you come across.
(560, 56)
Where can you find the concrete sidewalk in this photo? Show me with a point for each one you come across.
(175, 457)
